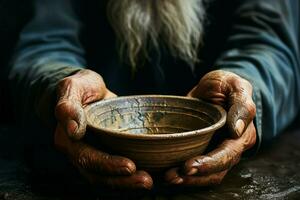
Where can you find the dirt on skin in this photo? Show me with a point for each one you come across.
(272, 174)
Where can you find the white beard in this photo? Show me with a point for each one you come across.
(141, 24)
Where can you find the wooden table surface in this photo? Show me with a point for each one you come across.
(274, 173)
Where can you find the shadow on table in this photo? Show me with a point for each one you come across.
(272, 174)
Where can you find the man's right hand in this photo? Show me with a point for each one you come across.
(74, 93)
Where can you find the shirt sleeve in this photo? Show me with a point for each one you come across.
(263, 47)
(48, 50)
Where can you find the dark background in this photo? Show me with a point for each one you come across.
(13, 16)
(272, 174)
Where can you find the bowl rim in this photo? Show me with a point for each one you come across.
(221, 122)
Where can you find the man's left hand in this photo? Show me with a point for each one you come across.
(235, 95)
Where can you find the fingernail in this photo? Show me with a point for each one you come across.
(177, 181)
(192, 171)
(239, 126)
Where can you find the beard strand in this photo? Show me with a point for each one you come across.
(144, 24)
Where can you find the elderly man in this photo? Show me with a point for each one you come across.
(243, 55)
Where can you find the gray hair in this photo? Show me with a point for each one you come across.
(144, 24)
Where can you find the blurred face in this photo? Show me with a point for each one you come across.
(146, 24)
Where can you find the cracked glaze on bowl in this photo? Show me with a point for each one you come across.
(156, 132)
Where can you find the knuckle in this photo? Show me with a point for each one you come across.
(235, 81)
(106, 156)
(82, 162)
(251, 107)
(241, 85)
(93, 160)
(92, 75)
(62, 106)
(65, 82)
(82, 159)
(87, 71)
(104, 159)
(246, 84)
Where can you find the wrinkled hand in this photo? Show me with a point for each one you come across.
(74, 92)
(235, 95)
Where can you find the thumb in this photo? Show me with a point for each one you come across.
(241, 107)
(70, 114)
(74, 92)
(241, 112)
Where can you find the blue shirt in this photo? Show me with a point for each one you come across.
(256, 39)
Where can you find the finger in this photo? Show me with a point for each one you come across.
(213, 87)
(74, 92)
(72, 117)
(224, 157)
(174, 177)
(210, 88)
(242, 109)
(238, 119)
(88, 158)
(71, 114)
(232, 92)
(138, 180)
(91, 159)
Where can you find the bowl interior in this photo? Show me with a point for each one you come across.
(152, 115)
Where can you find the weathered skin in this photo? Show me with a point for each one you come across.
(225, 88)
(74, 92)
(235, 94)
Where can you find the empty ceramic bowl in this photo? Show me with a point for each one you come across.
(156, 132)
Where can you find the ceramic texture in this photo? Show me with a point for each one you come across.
(156, 132)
